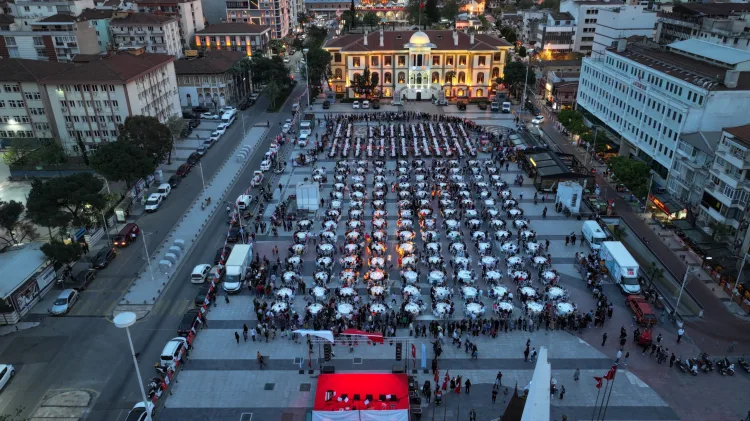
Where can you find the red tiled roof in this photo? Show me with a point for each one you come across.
(233, 28)
(122, 67)
(143, 19)
(24, 70)
(213, 62)
(395, 40)
(741, 133)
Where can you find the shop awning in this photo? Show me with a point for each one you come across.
(669, 206)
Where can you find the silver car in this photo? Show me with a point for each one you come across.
(64, 302)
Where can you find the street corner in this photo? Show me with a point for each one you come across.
(64, 405)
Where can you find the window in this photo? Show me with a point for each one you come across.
(375, 76)
(462, 60)
(387, 77)
(436, 60)
(480, 77)
(2, 104)
(11, 88)
(32, 95)
(482, 60)
(401, 77)
(461, 77)
(355, 61)
(479, 93)
(419, 79)
(337, 74)
(495, 73)
(449, 60)
(402, 60)
(435, 77)
(387, 61)
(375, 61)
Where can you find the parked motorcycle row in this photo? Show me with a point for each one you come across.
(705, 364)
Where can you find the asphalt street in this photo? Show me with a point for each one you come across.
(84, 350)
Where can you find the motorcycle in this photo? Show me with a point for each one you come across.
(729, 367)
(705, 362)
(721, 366)
(692, 366)
(744, 364)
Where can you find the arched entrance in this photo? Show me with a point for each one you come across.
(419, 96)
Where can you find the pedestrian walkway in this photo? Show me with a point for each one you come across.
(153, 280)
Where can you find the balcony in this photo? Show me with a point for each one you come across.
(740, 161)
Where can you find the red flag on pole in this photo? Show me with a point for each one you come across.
(421, 5)
(598, 382)
(437, 376)
(611, 373)
(414, 354)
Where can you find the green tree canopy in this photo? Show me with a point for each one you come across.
(15, 228)
(122, 161)
(75, 199)
(632, 173)
(572, 120)
(432, 11)
(364, 83)
(148, 134)
(515, 74)
(522, 51)
(318, 61)
(370, 19)
(61, 253)
(450, 10)
(508, 33)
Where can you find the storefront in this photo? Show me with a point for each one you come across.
(664, 208)
(548, 169)
(27, 277)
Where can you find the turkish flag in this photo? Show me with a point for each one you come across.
(598, 382)
(611, 373)
(413, 351)
(421, 5)
(437, 375)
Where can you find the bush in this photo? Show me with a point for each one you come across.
(281, 100)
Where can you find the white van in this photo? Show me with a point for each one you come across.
(243, 202)
(172, 352)
(506, 107)
(228, 118)
(164, 190)
(593, 234)
(305, 127)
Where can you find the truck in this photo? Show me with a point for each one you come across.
(593, 234)
(238, 262)
(622, 267)
(306, 124)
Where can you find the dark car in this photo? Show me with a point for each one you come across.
(461, 105)
(326, 104)
(174, 181)
(103, 257)
(244, 105)
(188, 115)
(200, 297)
(83, 279)
(193, 158)
(183, 170)
(222, 254)
(233, 235)
(375, 104)
(188, 321)
(186, 132)
(482, 105)
(200, 109)
(194, 123)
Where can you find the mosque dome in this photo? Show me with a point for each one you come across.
(419, 38)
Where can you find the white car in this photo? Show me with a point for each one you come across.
(365, 104)
(286, 127)
(257, 178)
(138, 413)
(221, 128)
(231, 287)
(355, 104)
(265, 166)
(215, 136)
(64, 302)
(302, 141)
(164, 190)
(228, 109)
(286, 59)
(210, 116)
(273, 149)
(154, 202)
(538, 119)
(6, 373)
(199, 274)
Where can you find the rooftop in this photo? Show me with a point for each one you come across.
(143, 19)
(24, 70)
(212, 62)
(95, 14)
(7, 18)
(395, 41)
(561, 16)
(116, 68)
(233, 28)
(559, 63)
(59, 18)
(711, 9)
(598, 2)
(161, 2)
(704, 141)
(740, 133)
(18, 264)
(712, 51)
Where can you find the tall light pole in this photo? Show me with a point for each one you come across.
(200, 164)
(737, 281)
(148, 256)
(688, 271)
(525, 81)
(125, 320)
(648, 196)
(307, 75)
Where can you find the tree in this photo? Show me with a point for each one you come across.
(272, 91)
(719, 231)
(61, 253)
(60, 201)
(176, 125)
(365, 83)
(316, 36)
(318, 61)
(148, 134)
(515, 74)
(508, 33)
(15, 227)
(432, 11)
(550, 4)
(122, 161)
(350, 16)
(450, 10)
(483, 21)
(370, 19)
(277, 46)
(619, 233)
(633, 174)
(522, 51)
(655, 272)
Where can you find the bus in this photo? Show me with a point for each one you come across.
(228, 118)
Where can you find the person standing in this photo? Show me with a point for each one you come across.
(244, 332)
(472, 415)
(494, 395)
(562, 392)
(526, 354)
(680, 332)
(237, 337)
(625, 361)
(498, 380)
(252, 334)
(260, 359)
(604, 338)
(619, 355)
(468, 386)
(671, 360)
(577, 374)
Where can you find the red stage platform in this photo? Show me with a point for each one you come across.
(367, 394)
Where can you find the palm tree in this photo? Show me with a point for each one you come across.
(241, 71)
(619, 233)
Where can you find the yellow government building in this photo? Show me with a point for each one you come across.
(419, 65)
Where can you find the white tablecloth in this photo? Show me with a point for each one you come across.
(474, 308)
(324, 261)
(528, 292)
(504, 305)
(499, 291)
(295, 260)
(284, 292)
(406, 247)
(378, 308)
(534, 307)
(514, 260)
(521, 274)
(564, 308)
(436, 275)
(451, 223)
(540, 260)
(509, 247)
(464, 275)
(279, 307)
(442, 308)
(315, 308)
(549, 275)
(532, 247)
(411, 290)
(410, 276)
(555, 293)
(345, 308)
(377, 290)
(377, 275)
(346, 292)
(319, 292)
(469, 292)
(442, 292)
(412, 308)
(488, 260)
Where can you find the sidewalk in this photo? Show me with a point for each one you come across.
(718, 327)
(168, 256)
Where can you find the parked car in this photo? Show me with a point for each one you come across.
(265, 165)
(210, 116)
(286, 127)
(494, 107)
(164, 189)
(365, 104)
(200, 109)
(200, 297)
(461, 105)
(64, 302)
(302, 140)
(128, 234)
(83, 279)
(482, 105)
(138, 413)
(198, 276)
(188, 321)
(154, 202)
(355, 104)
(233, 235)
(207, 144)
(188, 115)
(231, 287)
(194, 123)
(222, 254)
(326, 104)
(641, 309)
(375, 104)
(202, 150)
(538, 119)
(174, 181)
(193, 159)
(257, 178)
(105, 255)
(286, 59)
(215, 136)
(183, 170)
(6, 373)
(173, 350)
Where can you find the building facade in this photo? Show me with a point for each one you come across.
(586, 14)
(208, 80)
(419, 65)
(154, 33)
(250, 39)
(327, 8)
(622, 23)
(277, 14)
(559, 89)
(720, 23)
(688, 176)
(189, 14)
(526, 22)
(554, 32)
(650, 96)
(54, 38)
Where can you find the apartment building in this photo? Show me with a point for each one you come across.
(650, 95)
(693, 157)
(209, 81)
(622, 23)
(27, 12)
(586, 14)
(554, 32)
(189, 14)
(527, 19)
(100, 19)
(419, 65)
(54, 38)
(726, 195)
(327, 8)
(277, 14)
(250, 39)
(154, 33)
(720, 23)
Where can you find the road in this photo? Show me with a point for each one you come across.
(84, 350)
(718, 327)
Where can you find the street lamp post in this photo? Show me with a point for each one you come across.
(525, 81)
(106, 228)
(688, 271)
(203, 180)
(737, 281)
(307, 75)
(125, 320)
(648, 195)
(148, 256)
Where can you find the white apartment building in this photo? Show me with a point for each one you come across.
(154, 33)
(209, 81)
(27, 12)
(84, 103)
(527, 19)
(554, 32)
(275, 13)
(622, 23)
(586, 14)
(649, 96)
(189, 14)
(53, 38)
(251, 39)
(727, 194)
(719, 23)
(689, 173)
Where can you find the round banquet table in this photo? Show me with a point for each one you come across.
(528, 292)
(454, 235)
(534, 307)
(461, 262)
(502, 235)
(378, 247)
(510, 203)
(504, 305)
(378, 308)
(377, 290)
(350, 248)
(333, 213)
(469, 292)
(532, 247)
(442, 308)
(377, 275)
(378, 222)
(357, 195)
(339, 186)
(294, 260)
(325, 248)
(514, 212)
(354, 223)
(321, 276)
(405, 213)
(410, 276)
(413, 308)
(352, 235)
(330, 225)
(347, 292)
(442, 292)
(305, 223)
(514, 260)
(492, 212)
(350, 260)
(434, 260)
(465, 276)
(520, 223)
(378, 203)
(522, 275)
(412, 290)
(406, 235)
(284, 292)
(493, 275)
(564, 308)
(509, 247)
(319, 292)
(315, 308)
(298, 248)
(324, 261)
(379, 214)
(355, 204)
(406, 248)
(489, 202)
(379, 235)
(451, 223)
(555, 293)
(437, 276)
(474, 308)
(348, 274)
(527, 234)
(540, 260)
(499, 291)
(301, 236)
(345, 308)
(471, 213)
(488, 261)
(457, 247)
(279, 307)
(289, 276)
(336, 204)
(475, 222)
(549, 275)
(504, 193)
(477, 235)
(497, 223)
(408, 260)
(377, 261)
(432, 246)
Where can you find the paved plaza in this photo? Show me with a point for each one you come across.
(222, 380)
